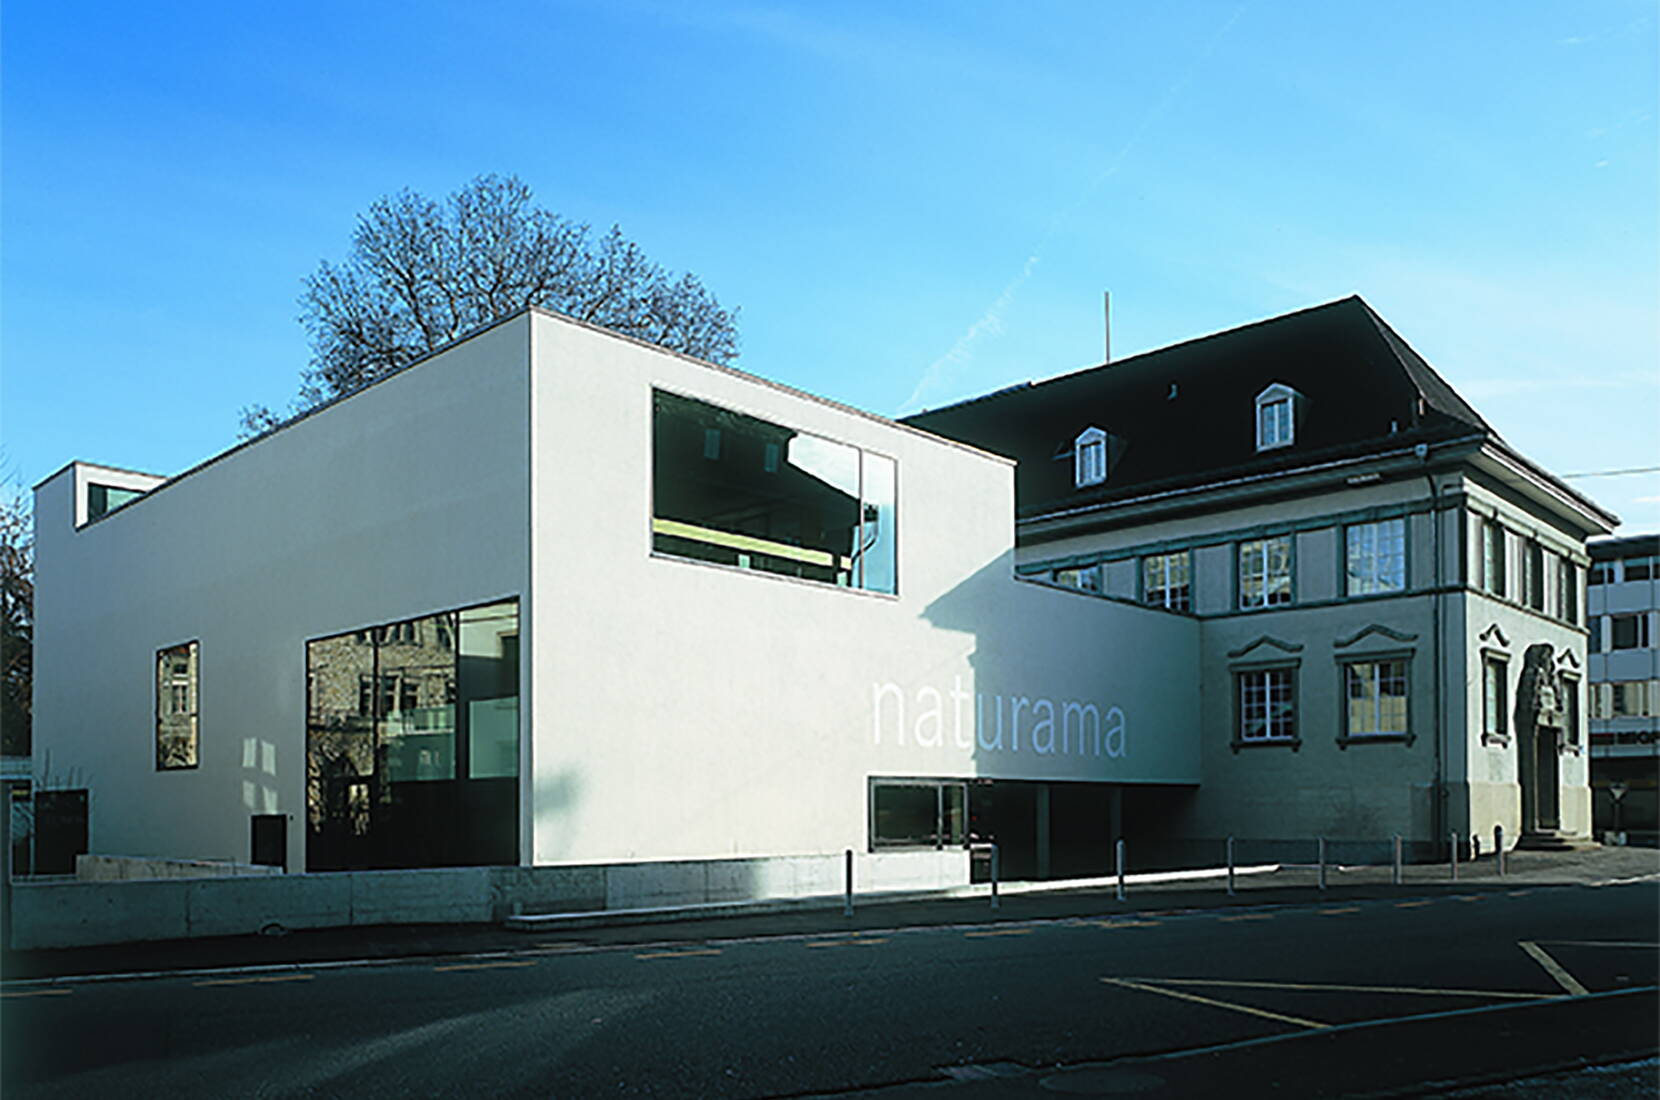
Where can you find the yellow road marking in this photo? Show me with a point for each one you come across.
(1247, 1009)
(1125, 923)
(1562, 978)
(1412, 904)
(1519, 893)
(39, 993)
(1249, 916)
(1335, 912)
(1001, 932)
(482, 966)
(679, 954)
(262, 979)
(1318, 987)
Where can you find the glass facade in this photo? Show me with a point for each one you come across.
(740, 491)
(412, 742)
(177, 672)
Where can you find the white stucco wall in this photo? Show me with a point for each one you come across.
(693, 711)
(407, 498)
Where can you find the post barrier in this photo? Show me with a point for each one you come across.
(1452, 856)
(1230, 866)
(995, 903)
(1321, 846)
(1119, 853)
(1395, 876)
(1498, 847)
(847, 901)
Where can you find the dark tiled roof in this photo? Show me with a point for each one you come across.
(1185, 414)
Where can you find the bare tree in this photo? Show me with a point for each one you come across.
(421, 273)
(17, 621)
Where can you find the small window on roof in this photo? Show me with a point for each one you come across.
(1089, 458)
(1277, 416)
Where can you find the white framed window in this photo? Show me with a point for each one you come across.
(1375, 694)
(177, 686)
(1089, 458)
(1375, 557)
(1276, 417)
(1265, 572)
(1166, 580)
(1267, 704)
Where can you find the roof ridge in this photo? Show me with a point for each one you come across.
(1446, 399)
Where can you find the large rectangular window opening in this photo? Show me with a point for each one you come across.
(412, 742)
(740, 491)
(1267, 705)
(918, 813)
(1376, 697)
(177, 692)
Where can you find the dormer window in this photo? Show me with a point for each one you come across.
(1276, 417)
(1089, 458)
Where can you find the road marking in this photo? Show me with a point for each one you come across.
(1468, 897)
(1412, 904)
(1519, 893)
(679, 954)
(482, 966)
(1250, 916)
(40, 993)
(1247, 1009)
(1324, 988)
(264, 979)
(1336, 912)
(1124, 923)
(1000, 932)
(1562, 978)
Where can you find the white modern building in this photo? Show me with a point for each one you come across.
(552, 598)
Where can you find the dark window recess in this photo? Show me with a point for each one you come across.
(104, 499)
(60, 830)
(1628, 631)
(269, 841)
(1639, 569)
(918, 813)
(1602, 572)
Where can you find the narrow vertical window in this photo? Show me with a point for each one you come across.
(1492, 557)
(1276, 420)
(1495, 699)
(1089, 458)
(1567, 591)
(176, 706)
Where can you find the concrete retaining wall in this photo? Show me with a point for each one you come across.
(78, 914)
(126, 868)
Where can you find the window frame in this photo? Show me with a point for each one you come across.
(1089, 458)
(940, 832)
(1492, 560)
(1376, 527)
(1275, 397)
(1641, 635)
(1346, 665)
(1166, 590)
(1267, 603)
(1266, 670)
(193, 696)
(1495, 722)
(1567, 590)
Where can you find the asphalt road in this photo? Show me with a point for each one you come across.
(1338, 998)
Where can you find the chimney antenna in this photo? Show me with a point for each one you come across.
(1106, 318)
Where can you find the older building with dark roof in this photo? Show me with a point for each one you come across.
(1391, 597)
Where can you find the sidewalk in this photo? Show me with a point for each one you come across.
(1289, 885)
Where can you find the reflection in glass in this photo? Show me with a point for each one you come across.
(176, 696)
(741, 491)
(412, 742)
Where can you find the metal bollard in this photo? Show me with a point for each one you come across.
(1498, 847)
(1119, 851)
(847, 901)
(1396, 876)
(1230, 866)
(1452, 856)
(995, 903)
(1322, 853)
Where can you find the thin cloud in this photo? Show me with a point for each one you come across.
(989, 324)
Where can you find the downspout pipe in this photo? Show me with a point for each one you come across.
(1439, 810)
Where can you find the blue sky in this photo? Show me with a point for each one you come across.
(912, 203)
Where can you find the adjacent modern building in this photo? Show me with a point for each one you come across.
(554, 598)
(1623, 601)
